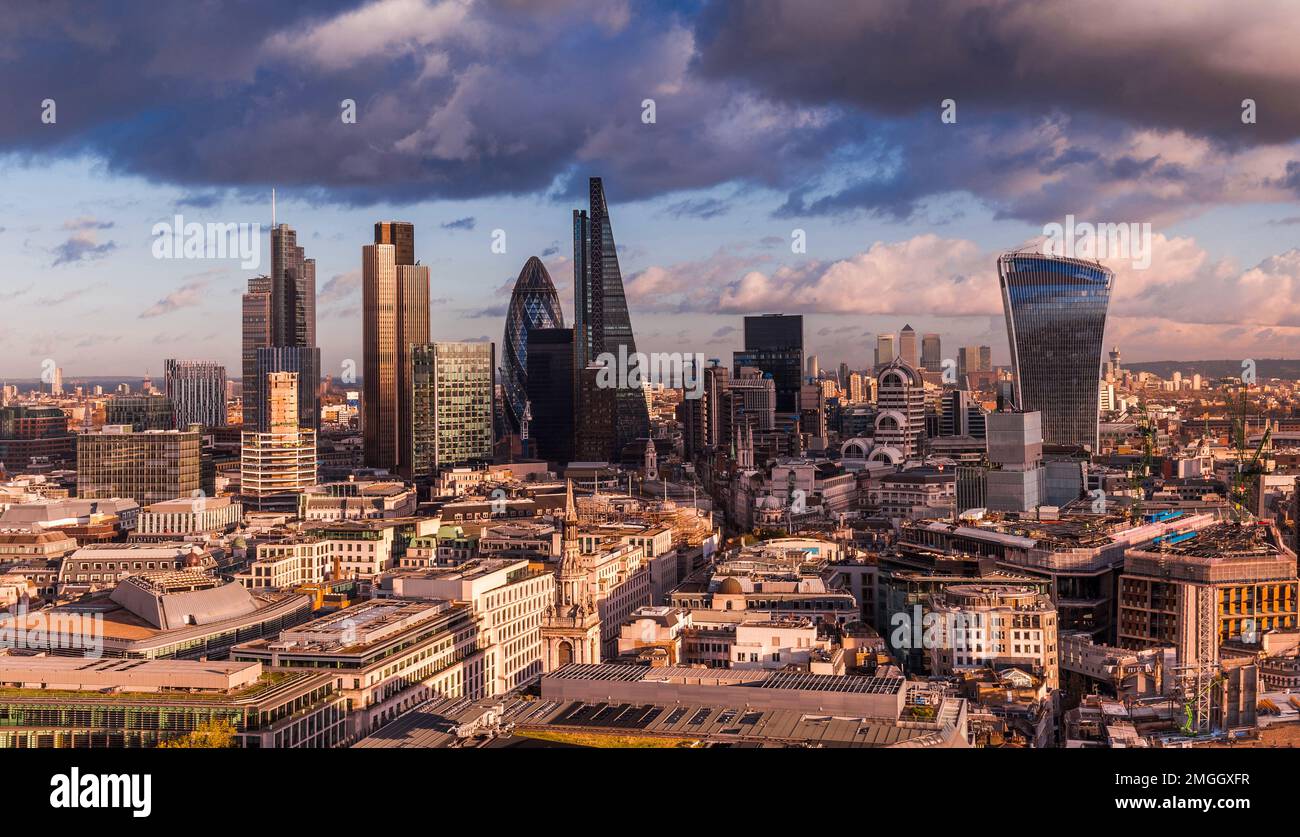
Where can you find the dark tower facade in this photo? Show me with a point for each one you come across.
(550, 393)
(774, 343)
(602, 329)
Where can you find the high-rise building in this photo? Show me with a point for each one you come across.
(277, 463)
(534, 304)
(931, 353)
(293, 291)
(257, 317)
(400, 234)
(907, 349)
(141, 412)
(395, 317)
(452, 396)
(814, 370)
(774, 344)
(885, 350)
(197, 390)
(549, 391)
(1056, 317)
(602, 327)
(900, 416)
(149, 466)
(303, 361)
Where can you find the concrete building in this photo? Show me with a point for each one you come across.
(388, 656)
(175, 518)
(997, 626)
(61, 702)
(509, 600)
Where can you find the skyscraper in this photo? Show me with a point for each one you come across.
(885, 350)
(279, 312)
(550, 391)
(452, 394)
(1056, 317)
(257, 318)
(907, 347)
(534, 304)
(293, 291)
(602, 326)
(774, 344)
(197, 390)
(395, 317)
(279, 462)
(931, 353)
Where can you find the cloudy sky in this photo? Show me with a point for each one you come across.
(820, 116)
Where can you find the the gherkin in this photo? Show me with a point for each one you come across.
(533, 304)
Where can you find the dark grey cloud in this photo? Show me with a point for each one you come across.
(460, 224)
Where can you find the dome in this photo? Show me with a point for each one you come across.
(731, 587)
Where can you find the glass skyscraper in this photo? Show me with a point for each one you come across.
(534, 304)
(774, 343)
(1056, 317)
(602, 325)
(451, 405)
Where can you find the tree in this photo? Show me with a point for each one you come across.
(210, 735)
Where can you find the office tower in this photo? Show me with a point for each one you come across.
(30, 433)
(986, 359)
(1056, 316)
(843, 376)
(303, 361)
(748, 401)
(1116, 368)
(400, 234)
(197, 390)
(885, 351)
(602, 326)
(812, 410)
(1015, 480)
(453, 385)
(534, 304)
(854, 387)
(774, 344)
(141, 412)
(293, 291)
(412, 330)
(549, 391)
(148, 467)
(900, 416)
(277, 463)
(395, 317)
(931, 353)
(716, 380)
(907, 349)
(814, 370)
(56, 382)
(961, 415)
(257, 315)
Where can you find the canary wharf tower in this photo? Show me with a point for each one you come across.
(1056, 316)
(602, 325)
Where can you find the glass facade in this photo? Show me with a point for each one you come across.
(451, 418)
(774, 343)
(534, 304)
(1056, 316)
(602, 324)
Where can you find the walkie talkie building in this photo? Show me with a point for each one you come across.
(1056, 316)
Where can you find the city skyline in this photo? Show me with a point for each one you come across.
(704, 241)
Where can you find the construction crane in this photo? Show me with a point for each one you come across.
(1138, 475)
(1247, 469)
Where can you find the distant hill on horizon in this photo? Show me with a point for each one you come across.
(1264, 368)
